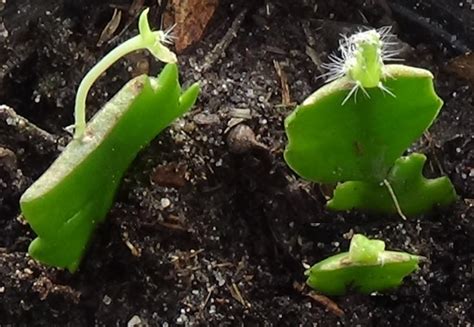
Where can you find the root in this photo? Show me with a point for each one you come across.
(394, 198)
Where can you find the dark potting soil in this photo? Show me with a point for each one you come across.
(206, 230)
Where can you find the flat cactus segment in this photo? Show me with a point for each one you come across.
(415, 194)
(330, 142)
(349, 271)
(66, 203)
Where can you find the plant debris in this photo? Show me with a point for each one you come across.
(191, 18)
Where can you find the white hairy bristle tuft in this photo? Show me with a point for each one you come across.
(337, 65)
(166, 36)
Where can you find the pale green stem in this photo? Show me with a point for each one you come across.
(133, 44)
(147, 39)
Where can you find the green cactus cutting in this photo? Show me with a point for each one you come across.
(66, 203)
(415, 193)
(366, 268)
(337, 135)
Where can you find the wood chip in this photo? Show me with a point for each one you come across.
(206, 119)
(233, 122)
(191, 18)
(8, 159)
(44, 287)
(176, 227)
(135, 7)
(299, 287)
(240, 113)
(20, 127)
(221, 46)
(133, 11)
(285, 90)
(110, 28)
(237, 295)
(208, 297)
(170, 175)
(136, 252)
(313, 55)
(326, 302)
(463, 67)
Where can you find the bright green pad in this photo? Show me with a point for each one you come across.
(67, 202)
(330, 142)
(366, 268)
(335, 275)
(414, 192)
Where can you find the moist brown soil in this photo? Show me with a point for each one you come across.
(200, 234)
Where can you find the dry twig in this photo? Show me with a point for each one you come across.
(329, 304)
(22, 126)
(237, 295)
(223, 44)
(110, 28)
(285, 90)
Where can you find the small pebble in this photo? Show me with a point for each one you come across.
(135, 321)
(107, 300)
(165, 203)
(241, 139)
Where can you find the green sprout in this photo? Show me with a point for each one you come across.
(155, 42)
(334, 136)
(365, 66)
(366, 268)
(66, 203)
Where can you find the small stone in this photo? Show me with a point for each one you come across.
(107, 300)
(7, 159)
(219, 278)
(3, 32)
(241, 139)
(212, 309)
(136, 321)
(165, 203)
(206, 119)
(182, 319)
(240, 113)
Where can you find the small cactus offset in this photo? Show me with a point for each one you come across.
(366, 268)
